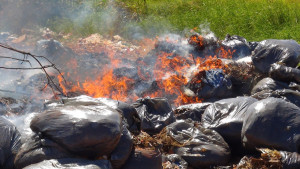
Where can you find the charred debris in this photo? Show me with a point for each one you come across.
(165, 103)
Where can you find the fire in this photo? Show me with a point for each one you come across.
(196, 40)
(109, 86)
(227, 54)
(171, 73)
(60, 80)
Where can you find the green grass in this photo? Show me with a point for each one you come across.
(253, 19)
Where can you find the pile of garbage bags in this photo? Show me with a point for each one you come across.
(262, 118)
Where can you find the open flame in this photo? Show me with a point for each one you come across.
(171, 72)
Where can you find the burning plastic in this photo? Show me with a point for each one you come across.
(172, 71)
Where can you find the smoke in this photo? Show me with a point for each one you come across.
(104, 17)
(22, 123)
(89, 17)
(16, 15)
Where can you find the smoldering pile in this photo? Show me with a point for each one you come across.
(249, 116)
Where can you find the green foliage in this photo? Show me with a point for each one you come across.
(254, 19)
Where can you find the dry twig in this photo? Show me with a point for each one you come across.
(42, 67)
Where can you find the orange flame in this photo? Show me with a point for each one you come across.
(196, 40)
(170, 73)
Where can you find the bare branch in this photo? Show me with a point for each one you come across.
(27, 68)
(6, 57)
(42, 67)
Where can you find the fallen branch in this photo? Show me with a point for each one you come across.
(27, 68)
(42, 67)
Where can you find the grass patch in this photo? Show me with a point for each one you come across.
(254, 19)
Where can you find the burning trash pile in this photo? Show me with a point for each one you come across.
(168, 102)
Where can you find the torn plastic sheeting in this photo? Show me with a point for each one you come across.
(10, 142)
(155, 114)
(172, 161)
(284, 73)
(38, 149)
(71, 163)
(267, 52)
(88, 129)
(192, 111)
(123, 150)
(227, 117)
(145, 159)
(272, 123)
(199, 147)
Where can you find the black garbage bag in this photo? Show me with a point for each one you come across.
(242, 75)
(145, 159)
(267, 52)
(211, 84)
(268, 84)
(10, 142)
(51, 49)
(192, 111)
(286, 94)
(171, 161)
(268, 87)
(86, 128)
(227, 117)
(203, 45)
(272, 123)
(198, 146)
(37, 149)
(238, 45)
(130, 116)
(155, 114)
(123, 150)
(71, 163)
(284, 73)
(294, 86)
